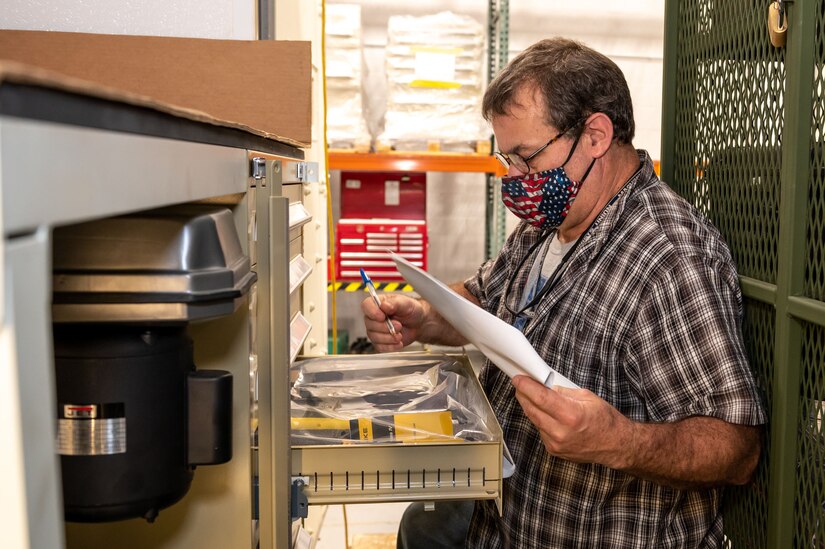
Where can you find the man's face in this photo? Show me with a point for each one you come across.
(523, 131)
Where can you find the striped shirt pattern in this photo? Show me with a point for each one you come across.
(646, 313)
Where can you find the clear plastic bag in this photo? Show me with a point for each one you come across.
(373, 399)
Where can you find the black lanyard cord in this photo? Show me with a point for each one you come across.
(559, 269)
(547, 285)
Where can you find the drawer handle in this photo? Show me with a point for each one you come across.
(298, 331)
(398, 483)
(298, 215)
(299, 271)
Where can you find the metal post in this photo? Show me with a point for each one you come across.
(492, 65)
(266, 19)
(796, 159)
(669, 88)
(498, 41)
(503, 33)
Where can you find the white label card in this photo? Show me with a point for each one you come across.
(434, 66)
(392, 193)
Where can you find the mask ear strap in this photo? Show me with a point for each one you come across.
(590, 167)
(572, 150)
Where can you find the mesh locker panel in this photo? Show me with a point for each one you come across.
(729, 117)
(746, 507)
(815, 262)
(730, 86)
(809, 508)
(809, 511)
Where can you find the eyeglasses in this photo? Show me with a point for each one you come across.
(522, 164)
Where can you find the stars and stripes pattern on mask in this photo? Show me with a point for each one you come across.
(542, 199)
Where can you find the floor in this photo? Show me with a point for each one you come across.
(370, 526)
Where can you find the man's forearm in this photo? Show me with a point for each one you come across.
(693, 453)
(437, 330)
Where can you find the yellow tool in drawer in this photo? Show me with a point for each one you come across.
(408, 428)
(339, 453)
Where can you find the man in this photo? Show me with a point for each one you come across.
(626, 290)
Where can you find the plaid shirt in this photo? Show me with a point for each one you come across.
(646, 313)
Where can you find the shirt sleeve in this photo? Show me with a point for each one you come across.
(686, 355)
(476, 283)
(487, 282)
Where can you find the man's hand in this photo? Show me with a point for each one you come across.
(414, 320)
(695, 452)
(574, 424)
(406, 314)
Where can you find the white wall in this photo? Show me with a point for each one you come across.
(228, 19)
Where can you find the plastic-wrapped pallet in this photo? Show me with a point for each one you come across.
(434, 83)
(346, 128)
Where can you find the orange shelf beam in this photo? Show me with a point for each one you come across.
(415, 162)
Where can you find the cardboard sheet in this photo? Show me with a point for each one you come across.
(263, 87)
(503, 344)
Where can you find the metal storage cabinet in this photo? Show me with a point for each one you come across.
(743, 141)
(115, 159)
(121, 160)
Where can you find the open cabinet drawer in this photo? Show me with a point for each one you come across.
(441, 467)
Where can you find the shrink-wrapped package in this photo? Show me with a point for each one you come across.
(362, 399)
(434, 82)
(346, 128)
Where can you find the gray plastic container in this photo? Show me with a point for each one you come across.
(176, 264)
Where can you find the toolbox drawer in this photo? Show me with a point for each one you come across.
(295, 301)
(365, 243)
(298, 217)
(299, 270)
(293, 191)
(358, 472)
(299, 328)
(296, 247)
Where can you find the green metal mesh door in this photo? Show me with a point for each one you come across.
(743, 137)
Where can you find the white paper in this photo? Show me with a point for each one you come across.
(502, 343)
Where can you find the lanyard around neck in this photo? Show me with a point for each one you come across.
(551, 282)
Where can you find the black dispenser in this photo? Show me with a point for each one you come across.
(135, 417)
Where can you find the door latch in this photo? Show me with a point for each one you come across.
(258, 168)
(299, 505)
(306, 172)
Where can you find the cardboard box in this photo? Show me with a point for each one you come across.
(259, 86)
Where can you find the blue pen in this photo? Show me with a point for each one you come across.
(374, 294)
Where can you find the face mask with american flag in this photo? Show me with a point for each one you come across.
(542, 199)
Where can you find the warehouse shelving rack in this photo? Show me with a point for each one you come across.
(498, 33)
(415, 162)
